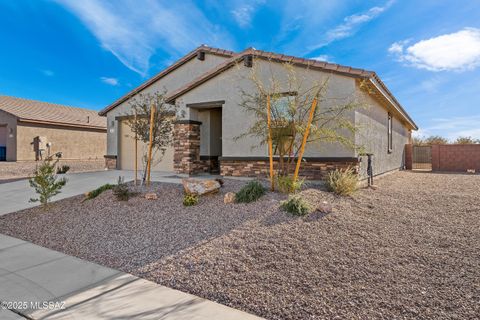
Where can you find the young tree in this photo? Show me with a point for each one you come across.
(164, 115)
(435, 140)
(45, 182)
(291, 98)
(466, 140)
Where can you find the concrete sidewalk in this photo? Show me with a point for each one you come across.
(77, 289)
(15, 196)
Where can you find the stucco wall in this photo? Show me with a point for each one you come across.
(11, 123)
(172, 81)
(372, 122)
(235, 121)
(74, 143)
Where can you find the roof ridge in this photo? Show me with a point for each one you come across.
(164, 72)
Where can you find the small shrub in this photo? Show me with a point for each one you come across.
(296, 206)
(190, 200)
(63, 169)
(342, 182)
(45, 182)
(120, 190)
(285, 184)
(251, 192)
(95, 193)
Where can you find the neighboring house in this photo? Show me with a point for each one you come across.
(206, 84)
(30, 130)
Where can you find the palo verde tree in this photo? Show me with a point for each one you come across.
(290, 96)
(139, 120)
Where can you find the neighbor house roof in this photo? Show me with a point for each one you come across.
(163, 73)
(375, 83)
(33, 111)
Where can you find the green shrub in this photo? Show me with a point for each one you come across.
(285, 184)
(190, 200)
(342, 182)
(296, 206)
(95, 193)
(45, 182)
(63, 169)
(120, 190)
(251, 192)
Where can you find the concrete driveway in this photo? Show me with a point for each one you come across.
(15, 196)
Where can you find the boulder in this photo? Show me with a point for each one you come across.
(325, 207)
(200, 187)
(229, 197)
(151, 196)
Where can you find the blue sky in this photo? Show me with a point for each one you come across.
(88, 53)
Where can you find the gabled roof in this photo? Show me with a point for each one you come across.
(163, 73)
(33, 111)
(375, 82)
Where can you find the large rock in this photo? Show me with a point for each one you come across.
(151, 196)
(200, 187)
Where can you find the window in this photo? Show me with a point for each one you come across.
(390, 133)
(282, 123)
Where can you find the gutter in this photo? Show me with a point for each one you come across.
(63, 124)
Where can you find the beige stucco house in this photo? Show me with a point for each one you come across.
(30, 130)
(207, 83)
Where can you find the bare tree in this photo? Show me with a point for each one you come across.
(291, 97)
(162, 133)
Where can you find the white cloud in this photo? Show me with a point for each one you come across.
(452, 128)
(134, 32)
(48, 73)
(110, 81)
(455, 51)
(243, 13)
(350, 25)
(323, 58)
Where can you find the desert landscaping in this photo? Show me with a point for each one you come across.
(408, 249)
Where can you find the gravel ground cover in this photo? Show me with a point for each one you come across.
(10, 171)
(408, 250)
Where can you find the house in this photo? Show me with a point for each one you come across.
(30, 130)
(206, 84)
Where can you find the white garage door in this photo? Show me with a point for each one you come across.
(127, 152)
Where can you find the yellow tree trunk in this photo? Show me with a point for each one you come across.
(270, 147)
(149, 160)
(305, 137)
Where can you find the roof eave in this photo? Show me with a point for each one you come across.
(380, 86)
(64, 124)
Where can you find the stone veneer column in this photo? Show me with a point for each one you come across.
(186, 143)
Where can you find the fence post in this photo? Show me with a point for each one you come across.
(435, 157)
(408, 156)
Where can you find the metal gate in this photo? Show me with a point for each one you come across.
(422, 158)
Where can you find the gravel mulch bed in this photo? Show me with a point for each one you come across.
(408, 250)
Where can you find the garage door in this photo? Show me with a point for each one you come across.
(127, 152)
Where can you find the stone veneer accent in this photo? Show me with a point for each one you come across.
(110, 162)
(310, 169)
(186, 144)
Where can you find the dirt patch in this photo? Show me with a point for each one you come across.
(408, 250)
